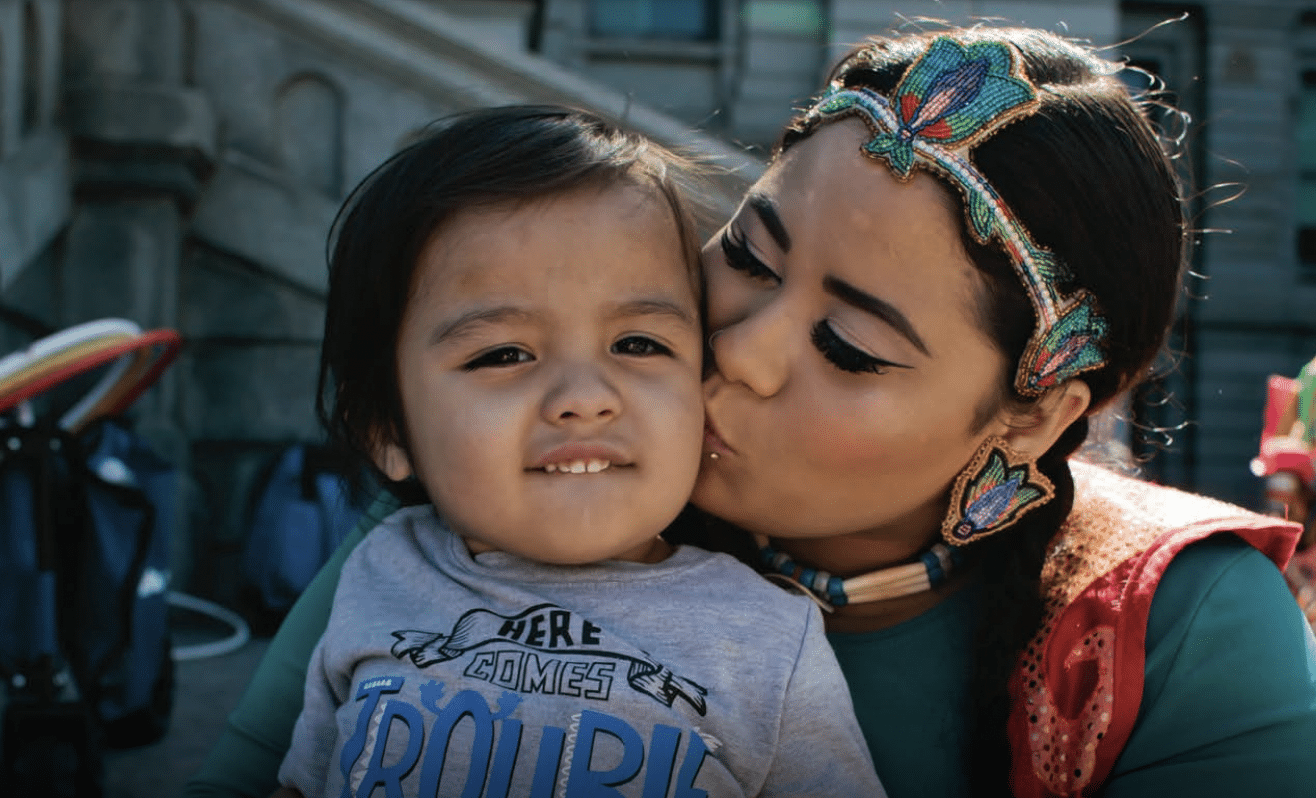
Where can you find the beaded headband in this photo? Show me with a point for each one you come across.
(950, 100)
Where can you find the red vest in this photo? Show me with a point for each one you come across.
(1078, 688)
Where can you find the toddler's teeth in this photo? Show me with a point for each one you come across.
(578, 467)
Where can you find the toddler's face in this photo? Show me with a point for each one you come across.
(549, 368)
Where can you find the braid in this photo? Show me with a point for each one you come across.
(1010, 567)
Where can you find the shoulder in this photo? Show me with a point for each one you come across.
(1221, 559)
(1220, 592)
(726, 582)
(1100, 493)
(402, 535)
(1223, 624)
(402, 523)
(1230, 680)
(739, 577)
(1136, 528)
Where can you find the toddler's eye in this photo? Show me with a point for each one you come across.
(639, 345)
(741, 258)
(502, 356)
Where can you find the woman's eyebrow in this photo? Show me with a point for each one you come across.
(766, 209)
(878, 307)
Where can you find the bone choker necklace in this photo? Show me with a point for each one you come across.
(931, 570)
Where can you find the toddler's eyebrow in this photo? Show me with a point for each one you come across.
(653, 307)
(463, 323)
(513, 315)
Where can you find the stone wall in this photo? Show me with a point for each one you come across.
(200, 154)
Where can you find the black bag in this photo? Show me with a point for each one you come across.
(84, 572)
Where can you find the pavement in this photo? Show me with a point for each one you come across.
(205, 691)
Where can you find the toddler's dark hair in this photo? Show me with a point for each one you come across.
(482, 158)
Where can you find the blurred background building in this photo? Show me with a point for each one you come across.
(179, 163)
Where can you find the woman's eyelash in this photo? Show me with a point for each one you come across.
(844, 356)
(740, 258)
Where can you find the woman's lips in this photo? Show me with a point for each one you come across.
(713, 443)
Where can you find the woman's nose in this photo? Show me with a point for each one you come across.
(755, 350)
(581, 393)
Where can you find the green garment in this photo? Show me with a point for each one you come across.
(246, 759)
(1228, 707)
(910, 688)
(1206, 728)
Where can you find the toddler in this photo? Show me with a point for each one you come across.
(513, 333)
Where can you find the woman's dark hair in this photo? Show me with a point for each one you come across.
(477, 159)
(1090, 178)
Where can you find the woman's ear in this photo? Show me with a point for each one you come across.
(1033, 432)
(391, 459)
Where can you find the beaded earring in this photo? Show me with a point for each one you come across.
(997, 487)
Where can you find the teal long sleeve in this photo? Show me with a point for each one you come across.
(1229, 701)
(1229, 705)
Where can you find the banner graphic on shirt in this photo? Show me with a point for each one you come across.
(549, 629)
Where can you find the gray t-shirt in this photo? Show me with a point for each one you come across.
(442, 673)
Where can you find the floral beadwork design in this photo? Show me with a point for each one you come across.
(1071, 346)
(953, 95)
(992, 493)
(948, 101)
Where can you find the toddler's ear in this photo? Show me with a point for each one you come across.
(393, 461)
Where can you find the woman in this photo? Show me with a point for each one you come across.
(964, 249)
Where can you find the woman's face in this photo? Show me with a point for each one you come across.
(850, 377)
